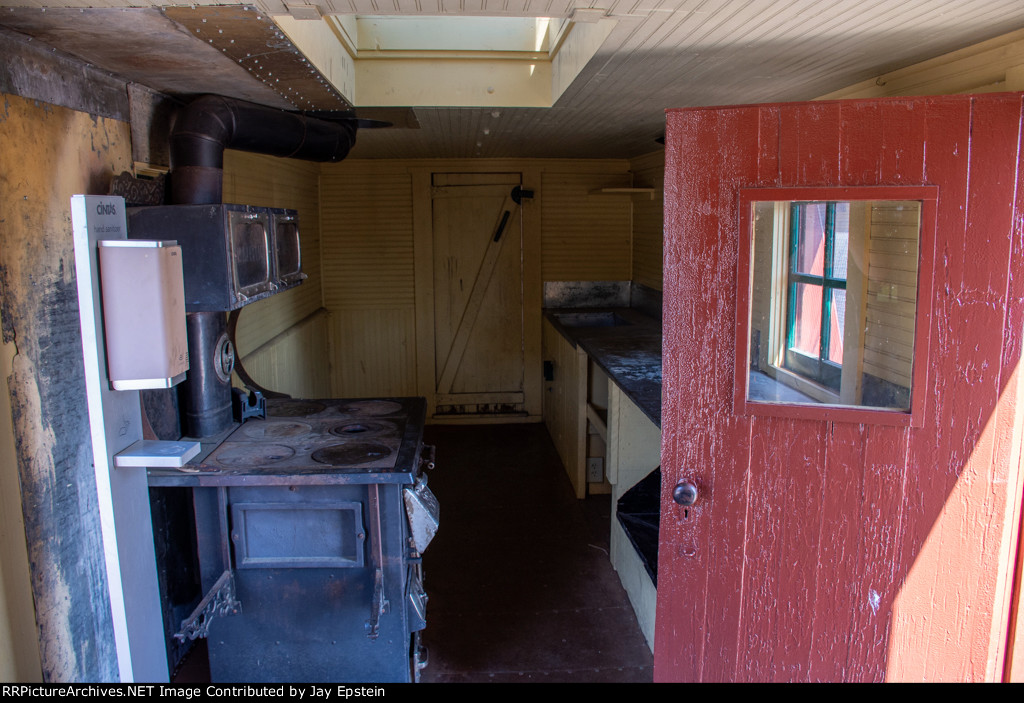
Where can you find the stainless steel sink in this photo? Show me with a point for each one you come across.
(591, 319)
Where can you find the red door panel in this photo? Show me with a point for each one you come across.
(823, 551)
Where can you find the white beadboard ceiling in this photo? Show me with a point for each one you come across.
(661, 54)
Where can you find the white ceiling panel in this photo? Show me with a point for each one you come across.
(661, 54)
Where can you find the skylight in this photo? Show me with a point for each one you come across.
(410, 61)
(453, 34)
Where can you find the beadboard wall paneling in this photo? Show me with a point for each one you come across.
(255, 179)
(294, 361)
(367, 247)
(369, 253)
(892, 291)
(376, 353)
(369, 280)
(585, 237)
(648, 219)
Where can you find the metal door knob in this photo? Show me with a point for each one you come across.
(685, 493)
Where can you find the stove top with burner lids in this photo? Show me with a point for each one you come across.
(326, 440)
(306, 523)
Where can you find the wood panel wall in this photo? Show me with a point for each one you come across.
(648, 219)
(300, 366)
(892, 291)
(585, 236)
(369, 253)
(294, 362)
(369, 277)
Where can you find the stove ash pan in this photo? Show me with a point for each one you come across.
(232, 255)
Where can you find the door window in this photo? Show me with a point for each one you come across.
(831, 314)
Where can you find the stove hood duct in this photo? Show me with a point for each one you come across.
(203, 130)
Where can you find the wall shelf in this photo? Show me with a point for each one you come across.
(649, 193)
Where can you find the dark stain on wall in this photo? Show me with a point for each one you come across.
(50, 153)
(58, 488)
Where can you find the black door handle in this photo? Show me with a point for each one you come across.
(685, 493)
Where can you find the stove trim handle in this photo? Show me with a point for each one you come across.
(380, 605)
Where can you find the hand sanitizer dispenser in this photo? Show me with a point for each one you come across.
(143, 295)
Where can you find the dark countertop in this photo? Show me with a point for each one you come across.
(629, 353)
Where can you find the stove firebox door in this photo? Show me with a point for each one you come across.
(316, 567)
(290, 536)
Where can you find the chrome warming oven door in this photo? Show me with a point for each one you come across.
(310, 528)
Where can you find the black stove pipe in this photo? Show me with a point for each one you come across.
(206, 393)
(211, 124)
(203, 130)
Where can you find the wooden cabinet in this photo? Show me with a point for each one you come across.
(634, 451)
(575, 395)
(565, 399)
(576, 402)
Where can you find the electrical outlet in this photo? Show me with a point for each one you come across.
(595, 469)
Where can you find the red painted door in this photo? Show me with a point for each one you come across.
(826, 550)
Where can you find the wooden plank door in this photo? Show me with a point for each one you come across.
(834, 550)
(478, 294)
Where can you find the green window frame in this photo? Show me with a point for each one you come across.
(805, 284)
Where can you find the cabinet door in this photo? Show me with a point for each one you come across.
(565, 402)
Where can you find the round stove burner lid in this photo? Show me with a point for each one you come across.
(351, 453)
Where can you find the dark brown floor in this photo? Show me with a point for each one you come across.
(518, 576)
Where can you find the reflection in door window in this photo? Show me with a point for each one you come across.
(819, 247)
(833, 301)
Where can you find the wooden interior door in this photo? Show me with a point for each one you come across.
(478, 294)
(827, 550)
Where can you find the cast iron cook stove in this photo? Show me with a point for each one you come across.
(309, 560)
